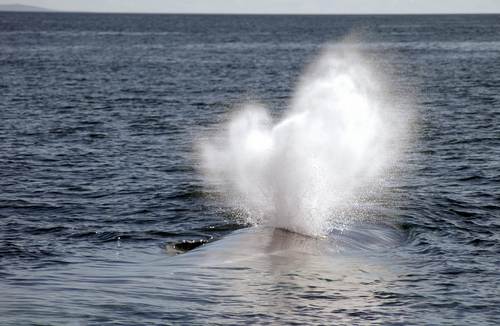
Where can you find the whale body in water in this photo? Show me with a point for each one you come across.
(254, 245)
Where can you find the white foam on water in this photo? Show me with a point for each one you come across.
(310, 170)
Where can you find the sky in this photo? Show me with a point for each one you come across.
(270, 6)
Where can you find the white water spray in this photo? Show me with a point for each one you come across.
(334, 145)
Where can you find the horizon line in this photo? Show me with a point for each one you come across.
(47, 10)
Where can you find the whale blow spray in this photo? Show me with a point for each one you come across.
(332, 148)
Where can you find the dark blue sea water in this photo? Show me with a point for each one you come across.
(101, 201)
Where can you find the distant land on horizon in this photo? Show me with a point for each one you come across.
(18, 7)
(15, 7)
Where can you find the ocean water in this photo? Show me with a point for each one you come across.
(105, 218)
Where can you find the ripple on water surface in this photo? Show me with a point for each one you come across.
(98, 180)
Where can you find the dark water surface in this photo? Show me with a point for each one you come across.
(99, 191)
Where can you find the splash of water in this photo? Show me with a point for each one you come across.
(334, 145)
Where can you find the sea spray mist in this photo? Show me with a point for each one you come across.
(310, 171)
